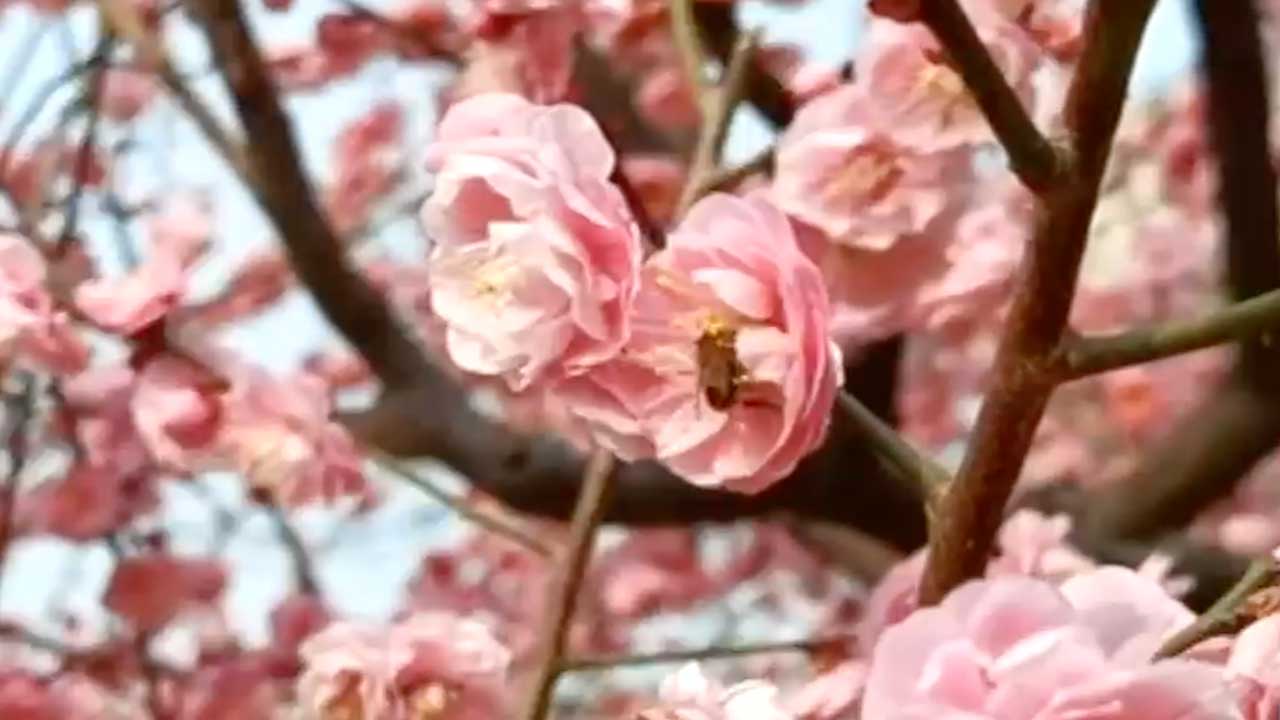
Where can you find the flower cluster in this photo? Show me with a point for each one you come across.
(711, 355)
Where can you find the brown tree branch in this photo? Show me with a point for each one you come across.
(1255, 318)
(563, 593)
(1204, 458)
(596, 664)
(1031, 156)
(972, 508)
(764, 91)
(349, 301)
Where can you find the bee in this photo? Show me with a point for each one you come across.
(720, 373)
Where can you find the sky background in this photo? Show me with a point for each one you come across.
(363, 563)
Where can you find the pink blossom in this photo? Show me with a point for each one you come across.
(126, 305)
(279, 433)
(730, 294)
(149, 590)
(837, 171)
(367, 160)
(690, 695)
(536, 257)
(1016, 647)
(31, 329)
(1254, 669)
(87, 503)
(177, 410)
(922, 101)
(540, 33)
(258, 283)
(832, 694)
(430, 664)
(126, 93)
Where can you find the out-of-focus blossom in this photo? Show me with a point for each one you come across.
(149, 590)
(730, 376)
(831, 695)
(125, 94)
(536, 256)
(367, 158)
(1016, 647)
(177, 410)
(31, 329)
(87, 503)
(428, 665)
(690, 695)
(279, 433)
(178, 236)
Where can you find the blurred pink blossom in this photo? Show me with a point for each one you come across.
(427, 665)
(149, 590)
(689, 695)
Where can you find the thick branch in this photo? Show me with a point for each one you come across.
(1031, 156)
(282, 187)
(972, 509)
(1204, 458)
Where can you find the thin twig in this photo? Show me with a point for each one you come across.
(304, 575)
(927, 476)
(124, 20)
(718, 107)
(1031, 156)
(563, 596)
(494, 524)
(1257, 317)
(1227, 615)
(84, 154)
(726, 179)
(593, 664)
(688, 42)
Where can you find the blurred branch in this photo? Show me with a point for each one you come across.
(84, 154)
(717, 105)
(345, 297)
(304, 575)
(1031, 156)
(1204, 458)
(927, 477)
(693, 56)
(1229, 615)
(19, 408)
(494, 524)
(595, 664)
(972, 508)
(553, 630)
(726, 179)
(764, 91)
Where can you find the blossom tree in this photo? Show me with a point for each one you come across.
(959, 397)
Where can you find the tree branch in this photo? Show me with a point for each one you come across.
(1228, 615)
(1256, 318)
(1031, 156)
(972, 508)
(717, 105)
(554, 627)
(1205, 457)
(283, 189)
(927, 477)
(764, 91)
(595, 664)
